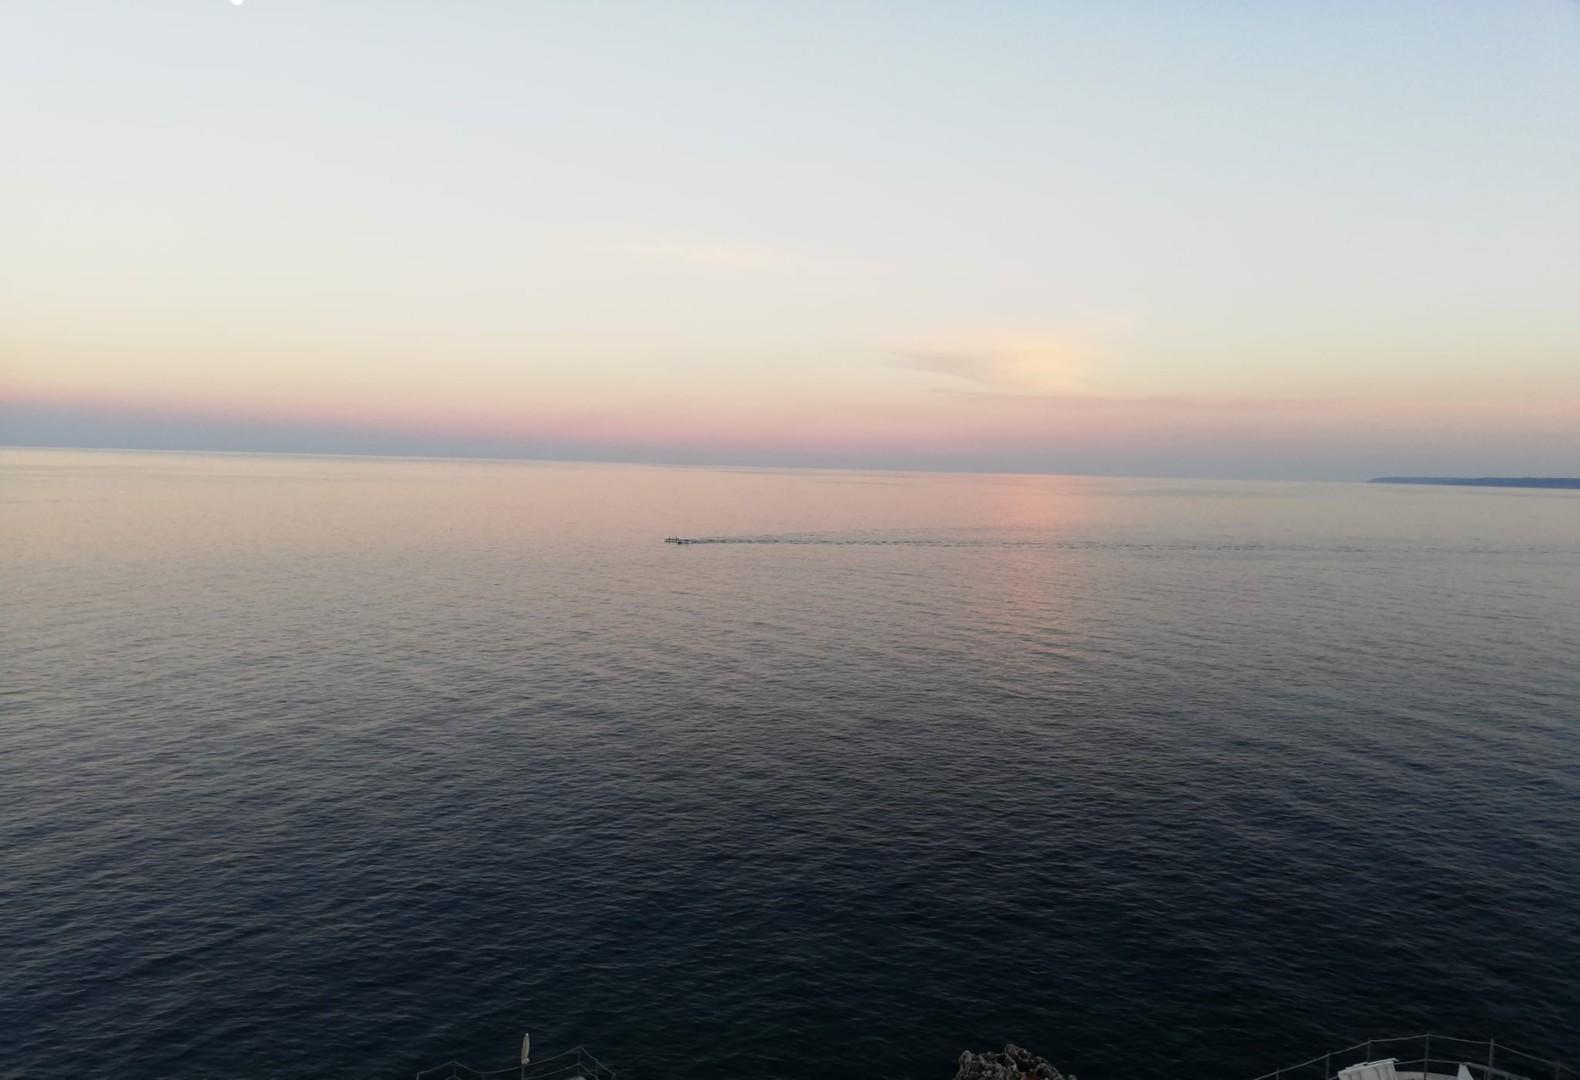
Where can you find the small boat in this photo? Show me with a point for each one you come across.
(678, 540)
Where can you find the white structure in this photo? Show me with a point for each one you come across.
(1382, 1069)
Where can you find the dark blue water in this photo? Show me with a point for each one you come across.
(319, 767)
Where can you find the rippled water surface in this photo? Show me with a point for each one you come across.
(324, 767)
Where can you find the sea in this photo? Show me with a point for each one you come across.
(345, 767)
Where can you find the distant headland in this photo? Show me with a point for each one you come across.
(1485, 481)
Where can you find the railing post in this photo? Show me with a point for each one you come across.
(1327, 1066)
(1490, 1044)
(1426, 1064)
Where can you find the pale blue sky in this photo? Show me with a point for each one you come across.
(1266, 239)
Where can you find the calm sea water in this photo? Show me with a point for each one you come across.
(324, 767)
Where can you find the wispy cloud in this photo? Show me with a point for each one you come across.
(1011, 366)
(1162, 402)
(1062, 373)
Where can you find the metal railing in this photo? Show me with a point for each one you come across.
(573, 1064)
(1441, 1055)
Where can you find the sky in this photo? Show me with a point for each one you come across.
(1320, 239)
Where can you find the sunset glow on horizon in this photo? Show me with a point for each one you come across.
(1307, 241)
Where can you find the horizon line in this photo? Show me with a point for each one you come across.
(717, 466)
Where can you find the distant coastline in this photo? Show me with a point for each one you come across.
(1485, 481)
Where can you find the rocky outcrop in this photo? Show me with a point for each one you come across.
(1013, 1064)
